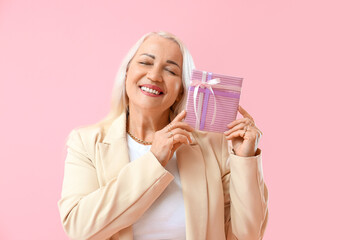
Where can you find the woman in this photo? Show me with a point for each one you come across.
(142, 173)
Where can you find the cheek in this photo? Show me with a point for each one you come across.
(178, 90)
(178, 86)
(126, 84)
(129, 84)
(130, 79)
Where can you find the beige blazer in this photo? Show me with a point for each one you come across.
(104, 194)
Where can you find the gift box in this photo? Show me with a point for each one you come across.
(212, 101)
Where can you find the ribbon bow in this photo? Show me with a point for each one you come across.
(203, 84)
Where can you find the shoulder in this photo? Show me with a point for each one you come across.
(85, 138)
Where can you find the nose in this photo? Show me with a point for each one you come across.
(154, 74)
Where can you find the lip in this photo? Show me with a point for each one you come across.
(153, 87)
(150, 94)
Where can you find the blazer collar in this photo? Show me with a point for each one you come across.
(191, 164)
(117, 129)
(113, 150)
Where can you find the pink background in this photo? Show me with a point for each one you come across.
(58, 60)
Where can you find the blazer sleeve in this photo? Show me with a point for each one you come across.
(89, 211)
(245, 195)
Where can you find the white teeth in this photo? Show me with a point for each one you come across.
(149, 90)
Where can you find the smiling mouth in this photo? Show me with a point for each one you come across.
(151, 91)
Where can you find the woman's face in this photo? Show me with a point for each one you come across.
(153, 79)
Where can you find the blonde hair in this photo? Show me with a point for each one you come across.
(119, 101)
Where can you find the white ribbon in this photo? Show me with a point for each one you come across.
(204, 84)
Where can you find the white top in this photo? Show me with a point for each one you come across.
(165, 219)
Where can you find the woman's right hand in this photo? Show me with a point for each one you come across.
(170, 138)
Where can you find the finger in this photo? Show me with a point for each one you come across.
(239, 133)
(243, 112)
(178, 138)
(182, 125)
(256, 129)
(175, 147)
(235, 128)
(179, 117)
(250, 134)
(182, 132)
(240, 120)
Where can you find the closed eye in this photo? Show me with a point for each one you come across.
(170, 72)
(148, 63)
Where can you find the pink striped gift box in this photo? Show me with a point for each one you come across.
(212, 101)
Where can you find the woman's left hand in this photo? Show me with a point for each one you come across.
(244, 134)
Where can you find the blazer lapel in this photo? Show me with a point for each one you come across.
(194, 186)
(113, 155)
(113, 151)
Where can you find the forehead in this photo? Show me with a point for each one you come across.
(161, 48)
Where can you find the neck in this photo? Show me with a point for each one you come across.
(144, 124)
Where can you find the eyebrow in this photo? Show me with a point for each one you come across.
(153, 57)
